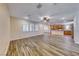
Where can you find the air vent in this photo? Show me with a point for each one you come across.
(39, 5)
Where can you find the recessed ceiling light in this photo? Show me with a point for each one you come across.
(26, 17)
(41, 18)
(63, 18)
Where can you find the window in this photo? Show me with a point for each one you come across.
(25, 28)
(30, 27)
(46, 29)
(36, 27)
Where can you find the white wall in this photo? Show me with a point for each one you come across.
(76, 28)
(4, 28)
(16, 29)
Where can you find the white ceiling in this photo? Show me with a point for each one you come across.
(56, 11)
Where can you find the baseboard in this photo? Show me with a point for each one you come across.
(21, 37)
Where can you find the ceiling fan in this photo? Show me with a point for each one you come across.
(40, 5)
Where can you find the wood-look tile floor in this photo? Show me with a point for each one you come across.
(43, 46)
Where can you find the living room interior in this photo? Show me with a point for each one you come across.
(39, 29)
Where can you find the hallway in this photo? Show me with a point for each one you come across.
(42, 45)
